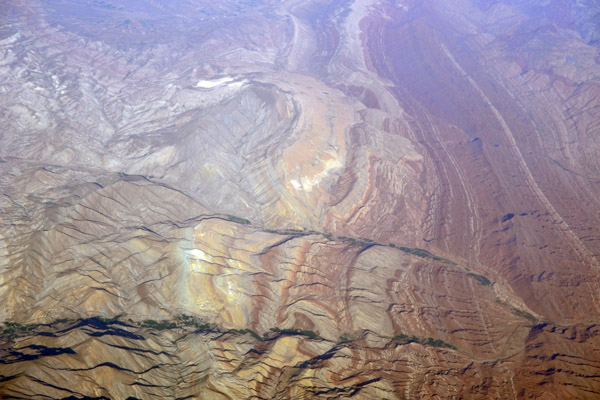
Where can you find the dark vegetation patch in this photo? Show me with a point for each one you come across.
(14, 328)
(244, 332)
(359, 242)
(423, 253)
(101, 326)
(524, 314)
(481, 279)
(346, 338)
(292, 232)
(309, 334)
(352, 241)
(237, 220)
(158, 325)
(405, 339)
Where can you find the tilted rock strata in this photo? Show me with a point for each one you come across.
(499, 131)
(368, 177)
(119, 256)
(124, 359)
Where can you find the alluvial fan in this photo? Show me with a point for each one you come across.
(366, 199)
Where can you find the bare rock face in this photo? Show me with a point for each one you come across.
(299, 200)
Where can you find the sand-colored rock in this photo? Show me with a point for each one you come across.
(299, 200)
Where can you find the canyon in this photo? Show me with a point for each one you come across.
(367, 199)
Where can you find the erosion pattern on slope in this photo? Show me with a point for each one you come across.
(363, 199)
(124, 359)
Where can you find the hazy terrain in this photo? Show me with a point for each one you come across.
(299, 199)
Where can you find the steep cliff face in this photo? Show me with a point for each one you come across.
(362, 199)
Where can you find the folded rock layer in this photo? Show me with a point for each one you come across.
(362, 199)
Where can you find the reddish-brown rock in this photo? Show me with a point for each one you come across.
(300, 199)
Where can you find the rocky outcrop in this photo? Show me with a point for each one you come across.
(185, 358)
(362, 199)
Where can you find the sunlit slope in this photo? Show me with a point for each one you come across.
(360, 199)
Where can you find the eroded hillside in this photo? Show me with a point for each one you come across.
(300, 199)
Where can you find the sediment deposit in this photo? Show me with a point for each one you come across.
(300, 199)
